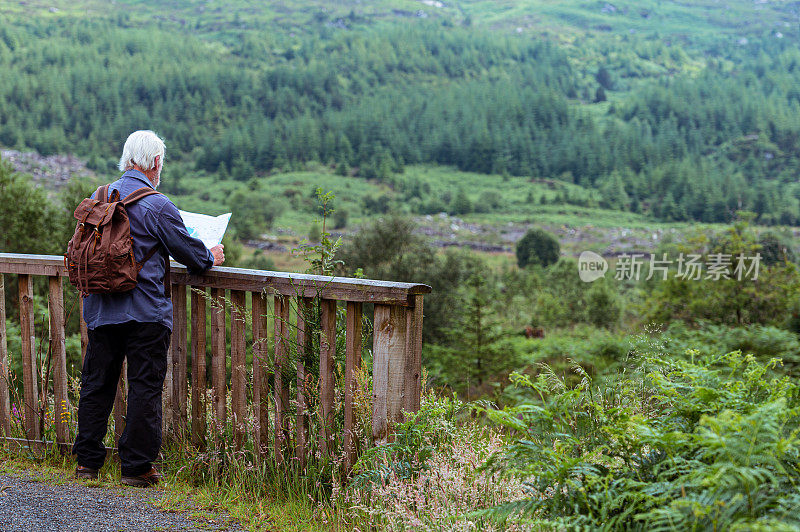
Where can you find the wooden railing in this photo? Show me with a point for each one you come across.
(258, 388)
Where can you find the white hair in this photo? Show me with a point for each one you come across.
(141, 149)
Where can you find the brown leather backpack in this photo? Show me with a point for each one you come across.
(99, 256)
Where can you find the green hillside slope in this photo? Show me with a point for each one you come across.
(676, 111)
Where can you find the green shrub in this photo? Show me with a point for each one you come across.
(708, 443)
(254, 211)
(603, 307)
(415, 439)
(763, 341)
(537, 247)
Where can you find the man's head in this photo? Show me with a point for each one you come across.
(144, 151)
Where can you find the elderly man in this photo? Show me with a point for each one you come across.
(135, 325)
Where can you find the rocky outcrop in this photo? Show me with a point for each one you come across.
(51, 172)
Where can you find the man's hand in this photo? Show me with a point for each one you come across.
(219, 254)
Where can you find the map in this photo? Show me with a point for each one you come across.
(209, 229)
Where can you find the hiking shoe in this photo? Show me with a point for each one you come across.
(151, 478)
(85, 473)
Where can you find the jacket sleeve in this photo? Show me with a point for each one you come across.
(187, 250)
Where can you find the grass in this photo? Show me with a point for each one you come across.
(701, 19)
(578, 227)
(520, 196)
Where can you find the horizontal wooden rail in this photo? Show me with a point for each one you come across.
(251, 373)
(288, 284)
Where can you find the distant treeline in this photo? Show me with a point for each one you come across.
(372, 99)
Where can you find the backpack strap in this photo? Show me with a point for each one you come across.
(133, 197)
(138, 194)
(149, 254)
(102, 194)
(167, 281)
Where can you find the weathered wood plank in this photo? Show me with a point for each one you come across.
(413, 376)
(239, 366)
(282, 332)
(260, 373)
(58, 352)
(198, 369)
(218, 358)
(84, 330)
(34, 267)
(396, 398)
(30, 373)
(5, 400)
(121, 403)
(353, 341)
(327, 356)
(389, 352)
(167, 398)
(303, 348)
(290, 284)
(179, 378)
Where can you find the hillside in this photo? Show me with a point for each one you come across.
(669, 111)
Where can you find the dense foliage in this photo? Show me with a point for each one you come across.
(689, 131)
(537, 247)
(683, 444)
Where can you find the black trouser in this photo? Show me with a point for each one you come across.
(145, 346)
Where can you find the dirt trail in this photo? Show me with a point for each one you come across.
(28, 505)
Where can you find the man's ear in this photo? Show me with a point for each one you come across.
(156, 161)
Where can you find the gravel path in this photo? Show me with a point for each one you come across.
(27, 505)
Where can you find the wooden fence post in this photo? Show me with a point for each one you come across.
(388, 369)
(282, 338)
(84, 330)
(218, 355)
(121, 403)
(353, 340)
(58, 353)
(260, 373)
(303, 351)
(413, 373)
(238, 366)
(198, 368)
(30, 372)
(179, 385)
(327, 356)
(5, 399)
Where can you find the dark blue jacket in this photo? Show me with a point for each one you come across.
(154, 221)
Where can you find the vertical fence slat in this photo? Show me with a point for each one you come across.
(179, 388)
(84, 329)
(120, 403)
(198, 368)
(29, 367)
(327, 355)
(59, 360)
(5, 400)
(413, 377)
(282, 331)
(395, 398)
(167, 400)
(218, 356)
(303, 345)
(238, 365)
(260, 374)
(388, 370)
(353, 340)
